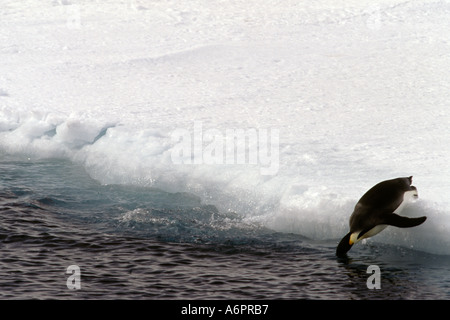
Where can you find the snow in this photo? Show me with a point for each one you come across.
(355, 91)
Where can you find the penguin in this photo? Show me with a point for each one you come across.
(379, 208)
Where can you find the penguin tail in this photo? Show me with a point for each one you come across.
(344, 246)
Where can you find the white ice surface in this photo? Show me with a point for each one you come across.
(358, 91)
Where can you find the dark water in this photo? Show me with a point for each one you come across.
(143, 243)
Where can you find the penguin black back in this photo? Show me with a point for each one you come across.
(377, 209)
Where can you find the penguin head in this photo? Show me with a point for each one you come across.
(353, 238)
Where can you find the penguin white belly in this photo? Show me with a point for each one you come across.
(375, 206)
(354, 237)
(408, 195)
(375, 230)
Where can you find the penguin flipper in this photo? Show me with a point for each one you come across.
(344, 245)
(402, 222)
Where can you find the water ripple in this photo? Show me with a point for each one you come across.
(135, 243)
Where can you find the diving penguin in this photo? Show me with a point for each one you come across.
(378, 209)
